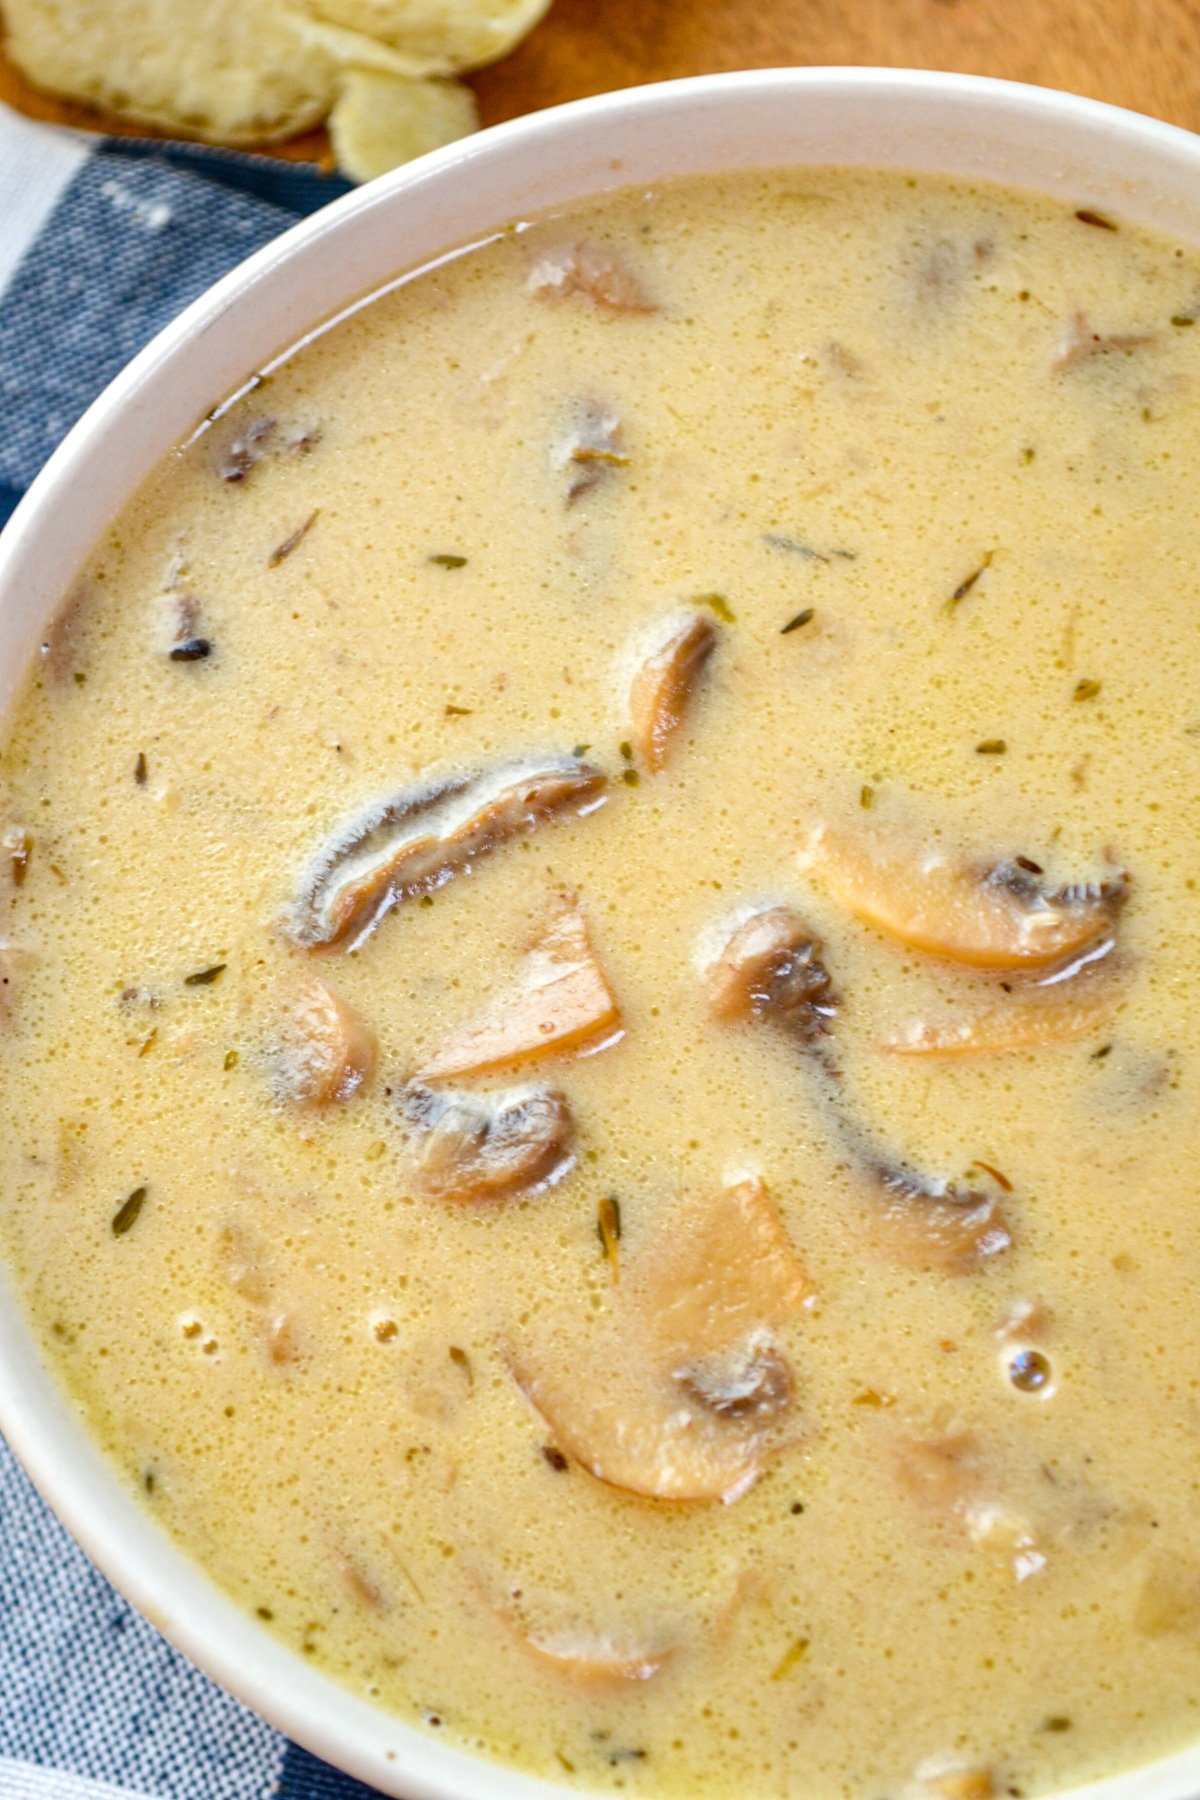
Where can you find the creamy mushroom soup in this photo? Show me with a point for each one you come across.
(600, 1028)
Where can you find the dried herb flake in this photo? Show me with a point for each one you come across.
(284, 550)
(444, 559)
(126, 1215)
(717, 603)
(141, 769)
(964, 587)
(555, 1458)
(794, 1654)
(205, 977)
(991, 747)
(1086, 690)
(1086, 216)
(608, 1230)
(801, 619)
(795, 546)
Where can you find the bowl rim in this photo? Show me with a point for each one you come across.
(42, 1426)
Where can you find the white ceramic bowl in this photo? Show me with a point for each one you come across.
(1077, 150)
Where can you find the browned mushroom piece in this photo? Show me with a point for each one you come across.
(590, 451)
(421, 838)
(487, 1146)
(592, 273)
(16, 849)
(768, 967)
(324, 1052)
(690, 1395)
(998, 915)
(926, 1222)
(249, 445)
(664, 684)
(1079, 343)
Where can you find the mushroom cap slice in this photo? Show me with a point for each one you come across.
(725, 1271)
(419, 839)
(590, 272)
(679, 1393)
(664, 684)
(999, 917)
(768, 966)
(931, 1224)
(592, 1662)
(560, 1633)
(326, 1053)
(488, 1146)
(1021, 1023)
(561, 1002)
(644, 1436)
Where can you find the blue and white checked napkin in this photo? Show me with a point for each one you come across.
(102, 241)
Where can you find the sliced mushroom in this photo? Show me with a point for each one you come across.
(421, 838)
(325, 1052)
(590, 272)
(751, 1380)
(1079, 343)
(999, 916)
(930, 1223)
(595, 1662)
(948, 1777)
(63, 650)
(1026, 1021)
(954, 1478)
(16, 848)
(247, 448)
(664, 685)
(768, 967)
(1168, 1601)
(942, 1470)
(720, 1271)
(561, 1002)
(589, 1660)
(283, 1340)
(246, 1263)
(680, 1392)
(488, 1146)
(558, 1634)
(590, 452)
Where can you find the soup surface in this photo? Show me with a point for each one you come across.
(600, 1018)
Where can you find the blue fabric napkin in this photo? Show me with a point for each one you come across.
(102, 241)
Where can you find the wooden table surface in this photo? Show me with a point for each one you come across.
(1139, 53)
